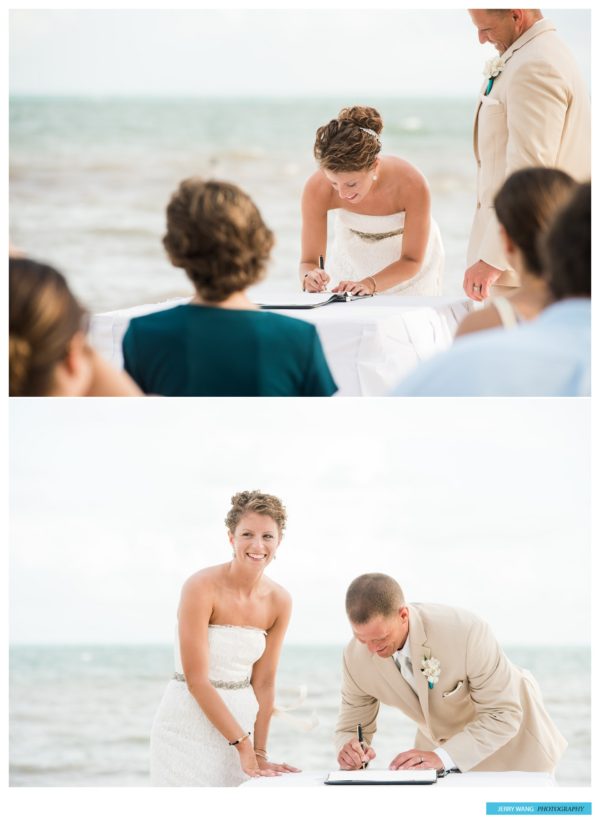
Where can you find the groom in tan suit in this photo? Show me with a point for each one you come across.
(534, 109)
(442, 667)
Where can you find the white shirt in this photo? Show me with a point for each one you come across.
(403, 661)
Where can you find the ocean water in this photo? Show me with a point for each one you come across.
(81, 716)
(90, 178)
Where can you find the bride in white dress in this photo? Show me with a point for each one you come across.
(212, 724)
(385, 240)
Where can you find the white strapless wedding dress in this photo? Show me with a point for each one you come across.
(364, 244)
(185, 748)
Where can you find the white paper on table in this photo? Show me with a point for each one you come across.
(382, 777)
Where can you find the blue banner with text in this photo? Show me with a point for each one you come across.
(538, 808)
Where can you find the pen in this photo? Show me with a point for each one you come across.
(321, 266)
(359, 734)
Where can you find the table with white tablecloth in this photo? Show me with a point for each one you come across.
(471, 779)
(370, 344)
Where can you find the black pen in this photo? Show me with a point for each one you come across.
(359, 734)
(321, 267)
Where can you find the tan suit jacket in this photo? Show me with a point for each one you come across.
(537, 113)
(484, 711)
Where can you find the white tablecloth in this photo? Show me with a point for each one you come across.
(477, 779)
(370, 344)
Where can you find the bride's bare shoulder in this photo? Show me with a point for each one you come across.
(281, 600)
(204, 580)
(404, 172)
(317, 188)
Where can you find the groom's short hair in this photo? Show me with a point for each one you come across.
(373, 594)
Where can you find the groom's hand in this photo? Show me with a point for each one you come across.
(352, 756)
(417, 759)
(479, 278)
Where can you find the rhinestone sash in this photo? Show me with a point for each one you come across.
(220, 684)
(376, 237)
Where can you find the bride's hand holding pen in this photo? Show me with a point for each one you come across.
(315, 279)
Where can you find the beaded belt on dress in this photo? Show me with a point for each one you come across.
(220, 684)
(376, 237)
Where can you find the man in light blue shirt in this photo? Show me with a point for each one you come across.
(550, 356)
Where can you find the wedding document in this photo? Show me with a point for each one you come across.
(306, 301)
(382, 777)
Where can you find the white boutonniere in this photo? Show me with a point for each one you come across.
(431, 668)
(491, 70)
(493, 67)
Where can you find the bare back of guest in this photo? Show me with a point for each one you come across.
(525, 207)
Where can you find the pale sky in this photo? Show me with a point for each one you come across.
(258, 52)
(477, 504)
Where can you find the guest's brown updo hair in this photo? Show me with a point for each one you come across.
(43, 318)
(257, 502)
(567, 247)
(343, 145)
(216, 234)
(526, 205)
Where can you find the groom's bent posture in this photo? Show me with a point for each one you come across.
(475, 710)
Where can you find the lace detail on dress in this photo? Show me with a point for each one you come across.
(364, 244)
(236, 626)
(185, 748)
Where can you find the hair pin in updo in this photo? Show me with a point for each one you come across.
(371, 132)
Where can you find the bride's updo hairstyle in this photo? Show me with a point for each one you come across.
(256, 502)
(43, 318)
(351, 142)
(216, 234)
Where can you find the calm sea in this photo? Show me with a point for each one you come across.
(81, 716)
(90, 178)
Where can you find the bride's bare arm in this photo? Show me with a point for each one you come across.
(314, 234)
(195, 610)
(263, 678)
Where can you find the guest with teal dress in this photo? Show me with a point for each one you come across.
(221, 344)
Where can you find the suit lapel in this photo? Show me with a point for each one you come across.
(386, 667)
(530, 34)
(418, 651)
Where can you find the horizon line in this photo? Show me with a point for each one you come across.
(99, 95)
(164, 644)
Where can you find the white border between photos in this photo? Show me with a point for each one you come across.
(147, 803)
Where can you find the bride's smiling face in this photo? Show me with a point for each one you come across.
(255, 539)
(352, 186)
